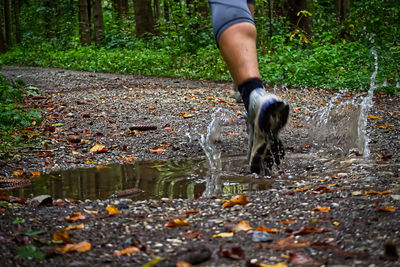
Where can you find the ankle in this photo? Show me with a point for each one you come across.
(247, 87)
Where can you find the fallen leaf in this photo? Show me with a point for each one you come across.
(35, 173)
(287, 243)
(190, 211)
(243, 226)
(183, 264)
(112, 210)
(61, 235)
(127, 251)
(76, 216)
(387, 209)
(91, 211)
(128, 159)
(279, 264)
(45, 154)
(18, 172)
(74, 227)
(158, 150)
(75, 152)
(336, 223)
(303, 189)
(230, 234)
(322, 190)
(290, 221)
(80, 247)
(382, 126)
(177, 223)
(98, 148)
(322, 209)
(266, 229)
(186, 115)
(306, 231)
(165, 144)
(373, 117)
(236, 200)
(373, 192)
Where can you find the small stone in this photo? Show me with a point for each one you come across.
(357, 193)
(261, 236)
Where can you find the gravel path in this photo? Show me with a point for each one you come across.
(358, 224)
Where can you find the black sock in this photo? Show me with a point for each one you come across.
(247, 87)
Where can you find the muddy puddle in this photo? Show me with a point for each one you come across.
(157, 179)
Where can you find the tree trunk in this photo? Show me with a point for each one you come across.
(98, 21)
(291, 8)
(17, 8)
(7, 22)
(157, 10)
(2, 41)
(342, 9)
(84, 27)
(143, 17)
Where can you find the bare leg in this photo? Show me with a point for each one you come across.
(238, 48)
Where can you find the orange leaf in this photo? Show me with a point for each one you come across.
(382, 126)
(266, 229)
(243, 226)
(322, 209)
(62, 235)
(303, 189)
(98, 148)
(177, 222)
(112, 209)
(373, 117)
(76, 216)
(127, 251)
(239, 199)
(190, 211)
(186, 115)
(128, 159)
(290, 221)
(387, 209)
(158, 150)
(73, 227)
(18, 172)
(165, 144)
(80, 247)
(35, 173)
(336, 223)
(372, 192)
(91, 211)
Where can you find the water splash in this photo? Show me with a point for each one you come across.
(366, 105)
(341, 125)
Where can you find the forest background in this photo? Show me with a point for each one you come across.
(302, 43)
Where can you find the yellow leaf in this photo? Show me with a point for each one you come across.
(186, 115)
(91, 211)
(74, 227)
(372, 192)
(243, 226)
(112, 209)
(98, 148)
(75, 152)
(35, 173)
(61, 235)
(373, 117)
(76, 216)
(127, 251)
(388, 209)
(18, 172)
(335, 223)
(266, 229)
(303, 189)
(80, 247)
(239, 199)
(177, 222)
(322, 209)
(230, 234)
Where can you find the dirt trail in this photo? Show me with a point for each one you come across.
(81, 108)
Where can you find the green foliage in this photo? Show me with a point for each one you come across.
(13, 115)
(29, 252)
(337, 55)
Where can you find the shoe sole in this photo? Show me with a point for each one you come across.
(274, 118)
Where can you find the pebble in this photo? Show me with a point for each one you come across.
(261, 236)
(395, 197)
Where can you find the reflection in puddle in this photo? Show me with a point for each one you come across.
(169, 179)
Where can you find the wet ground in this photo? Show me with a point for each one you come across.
(323, 167)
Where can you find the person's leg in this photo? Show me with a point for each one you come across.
(235, 33)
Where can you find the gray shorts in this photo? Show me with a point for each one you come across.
(226, 13)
